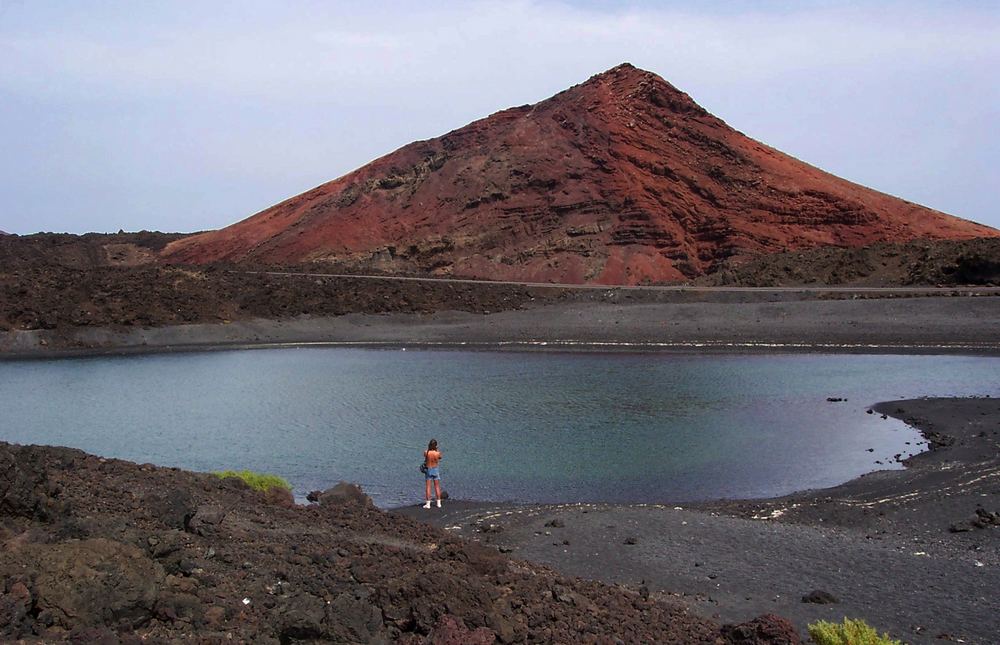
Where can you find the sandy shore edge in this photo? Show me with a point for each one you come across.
(918, 325)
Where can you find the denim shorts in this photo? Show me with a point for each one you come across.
(432, 473)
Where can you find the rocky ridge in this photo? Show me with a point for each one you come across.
(103, 550)
(917, 263)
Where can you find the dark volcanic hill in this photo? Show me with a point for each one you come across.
(622, 179)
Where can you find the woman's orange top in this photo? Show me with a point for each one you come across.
(432, 457)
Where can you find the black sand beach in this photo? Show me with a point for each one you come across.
(613, 320)
(905, 550)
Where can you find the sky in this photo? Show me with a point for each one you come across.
(185, 116)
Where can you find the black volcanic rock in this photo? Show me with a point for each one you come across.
(265, 572)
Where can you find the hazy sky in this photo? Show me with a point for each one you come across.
(182, 116)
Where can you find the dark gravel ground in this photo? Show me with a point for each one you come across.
(905, 550)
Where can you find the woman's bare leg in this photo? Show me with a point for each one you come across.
(437, 489)
(427, 490)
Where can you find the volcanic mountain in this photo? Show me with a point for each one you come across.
(623, 179)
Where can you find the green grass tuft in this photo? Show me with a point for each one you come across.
(256, 481)
(851, 632)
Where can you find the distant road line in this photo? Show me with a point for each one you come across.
(678, 288)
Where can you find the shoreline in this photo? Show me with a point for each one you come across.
(896, 547)
(555, 346)
(917, 326)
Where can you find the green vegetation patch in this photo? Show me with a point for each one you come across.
(256, 481)
(850, 632)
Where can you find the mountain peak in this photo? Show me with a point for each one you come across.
(623, 74)
(626, 83)
(622, 179)
(622, 68)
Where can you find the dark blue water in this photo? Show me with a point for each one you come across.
(512, 426)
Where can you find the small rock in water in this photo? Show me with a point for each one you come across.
(631, 540)
(557, 523)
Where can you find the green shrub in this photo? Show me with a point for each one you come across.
(256, 481)
(851, 632)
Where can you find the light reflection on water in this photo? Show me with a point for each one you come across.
(513, 426)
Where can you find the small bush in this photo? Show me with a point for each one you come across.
(256, 481)
(851, 632)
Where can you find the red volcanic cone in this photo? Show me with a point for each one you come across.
(622, 179)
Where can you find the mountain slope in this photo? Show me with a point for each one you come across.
(622, 179)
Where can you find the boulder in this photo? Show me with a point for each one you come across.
(24, 485)
(279, 496)
(343, 494)
(15, 604)
(91, 583)
(768, 629)
(820, 597)
(451, 631)
(174, 507)
(983, 519)
(207, 520)
(353, 618)
(302, 618)
(986, 519)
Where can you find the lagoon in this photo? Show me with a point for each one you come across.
(513, 426)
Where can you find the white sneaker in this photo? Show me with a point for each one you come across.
(427, 504)
(439, 503)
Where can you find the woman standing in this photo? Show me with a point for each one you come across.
(432, 457)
